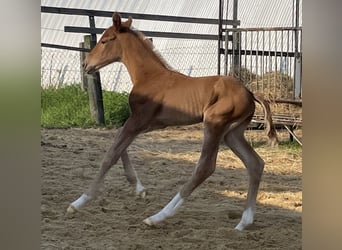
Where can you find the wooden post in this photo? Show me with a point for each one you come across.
(84, 82)
(94, 89)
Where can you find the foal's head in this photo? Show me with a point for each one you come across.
(108, 49)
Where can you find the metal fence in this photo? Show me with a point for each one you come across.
(267, 60)
(191, 57)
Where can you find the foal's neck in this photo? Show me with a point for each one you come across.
(141, 63)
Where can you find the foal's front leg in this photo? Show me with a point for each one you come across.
(124, 138)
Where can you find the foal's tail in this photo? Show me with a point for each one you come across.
(270, 129)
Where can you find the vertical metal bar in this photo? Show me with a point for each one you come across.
(226, 53)
(232, 61)
(236, 45)
(297, 26)
(281, 63)
(275, 65)
(291, 83)
(263, 60)
(269, 61)
(290, 33)
(256, 61)
(236, 40)
(219, 37)
(251, 57)
(245, 71)
(287, 65)
(297, 79)
(235, 10)
(297, 66)
(298, 73)
(240, 55)
(93, 35)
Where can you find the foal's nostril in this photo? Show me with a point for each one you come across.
(84, 63)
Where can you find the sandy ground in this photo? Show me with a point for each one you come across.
(164, 160)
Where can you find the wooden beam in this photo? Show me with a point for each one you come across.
(293, 135)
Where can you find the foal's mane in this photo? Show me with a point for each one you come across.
(150, 47)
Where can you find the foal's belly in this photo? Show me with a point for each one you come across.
(176, 116)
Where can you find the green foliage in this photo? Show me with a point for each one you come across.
(69, 106)
(116, 108)
(290, 146)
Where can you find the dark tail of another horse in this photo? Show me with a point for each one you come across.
(270, 129)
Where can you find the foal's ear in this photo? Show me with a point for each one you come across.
(116, 21)
(128, 23)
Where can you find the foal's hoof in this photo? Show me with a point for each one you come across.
(148, 222)
(71, 209)
(140, 190)
(142, 194)
(239, 228)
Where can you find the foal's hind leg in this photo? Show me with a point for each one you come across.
(131, 175)
(205, 167)
(236, 141)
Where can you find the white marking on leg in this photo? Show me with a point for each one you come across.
(140, 189)
(168, 211)
(79, 203)
(247, 219)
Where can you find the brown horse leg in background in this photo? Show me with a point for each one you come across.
(131, 175)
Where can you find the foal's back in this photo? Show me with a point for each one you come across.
(186, 100)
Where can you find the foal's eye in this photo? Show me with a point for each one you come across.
(104, 41)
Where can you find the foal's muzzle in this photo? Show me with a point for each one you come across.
(89, 69)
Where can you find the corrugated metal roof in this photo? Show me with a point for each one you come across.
(199, 57)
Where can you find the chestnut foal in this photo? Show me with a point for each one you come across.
(162, 97)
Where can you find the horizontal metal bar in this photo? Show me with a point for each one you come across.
(279, 119)
(56, 46)
(259, 53)
(263, 29)
(86, 30)
(87, 12)
(297, 102)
